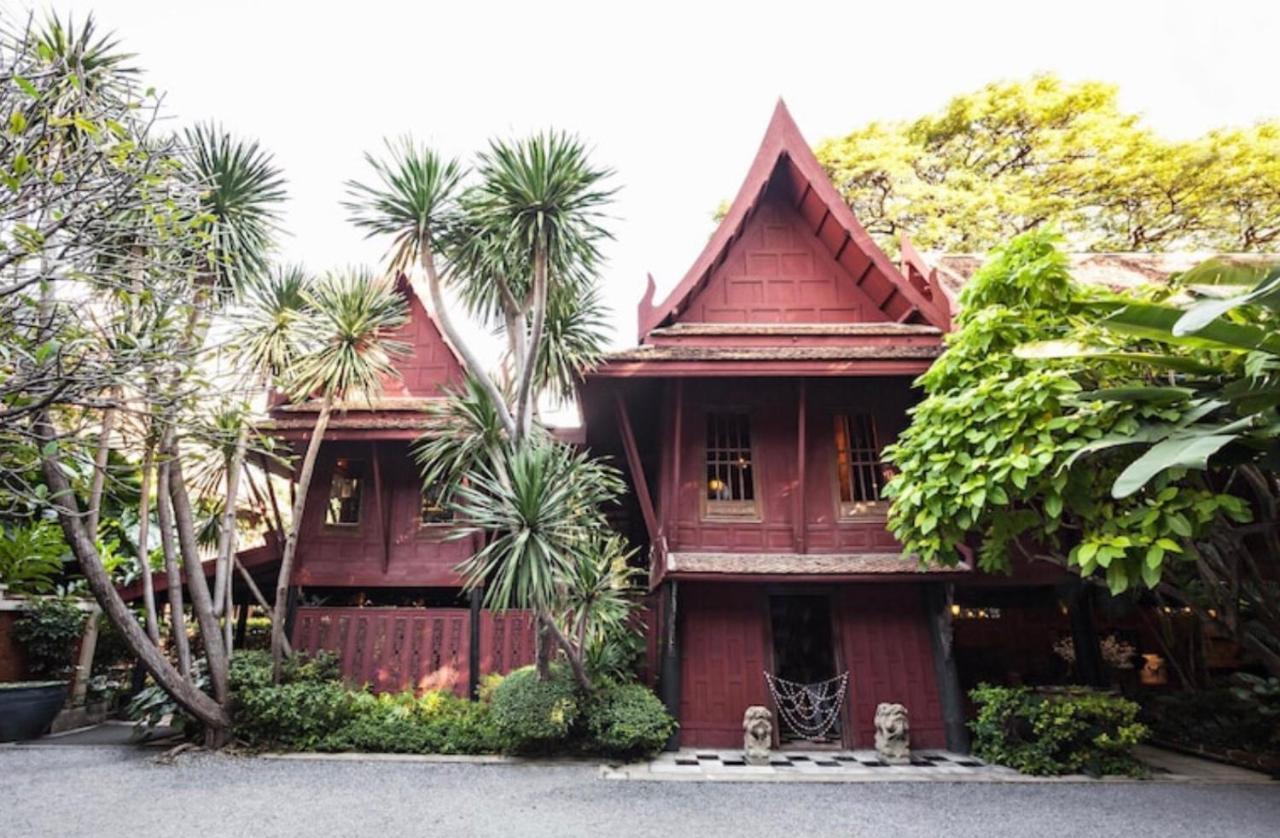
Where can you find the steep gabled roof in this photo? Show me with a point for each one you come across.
(786, 165)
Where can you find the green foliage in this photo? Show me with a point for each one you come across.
(31, 557)
(534, 716)
(1066, 733)
(295, 715)
(49, 632)
(1244, 717)
(351, 351)
(995, 449)
(627, 720)
(1014, 156)
(438, 722)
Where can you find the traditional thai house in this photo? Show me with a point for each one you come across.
(375, 578)
(751, 420)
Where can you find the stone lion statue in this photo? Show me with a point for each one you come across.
(757, 736)
(893, 734)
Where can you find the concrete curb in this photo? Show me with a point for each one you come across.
(645, 776)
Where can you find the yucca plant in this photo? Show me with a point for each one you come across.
(351, 316)
(241, 189)
(542, 505)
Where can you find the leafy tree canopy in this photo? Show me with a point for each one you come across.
(1016, 156)
(993, 454)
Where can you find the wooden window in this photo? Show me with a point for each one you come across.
(731, 485)
(345, 488)
(860, 474)
(434, 510)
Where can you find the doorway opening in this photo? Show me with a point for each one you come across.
(804, 654)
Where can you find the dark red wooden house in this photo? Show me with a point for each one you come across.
(752, 417)
(375, 577)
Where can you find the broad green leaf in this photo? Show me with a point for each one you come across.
(1175, 452)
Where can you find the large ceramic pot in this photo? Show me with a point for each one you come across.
(28, 707)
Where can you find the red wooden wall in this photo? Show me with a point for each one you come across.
(773, 407)
(779, 272)
(884, 638)
(393, 649)
(430, 365)
(411, 555)
(880, 633)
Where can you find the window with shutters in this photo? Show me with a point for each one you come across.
(345, 487)
(860, 473)
(730, 468)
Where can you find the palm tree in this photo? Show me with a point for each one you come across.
(350, 314)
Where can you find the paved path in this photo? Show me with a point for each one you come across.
(69, 790)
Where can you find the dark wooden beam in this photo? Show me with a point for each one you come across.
(1084, 637)
(637, 468)
(275, 504)
(384, 527)
(801, 530)
(473, 651)
(669, 674)
(677, 443)
(937, 601)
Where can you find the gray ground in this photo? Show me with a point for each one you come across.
(110, 791)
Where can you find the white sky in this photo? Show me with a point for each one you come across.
(674, 96)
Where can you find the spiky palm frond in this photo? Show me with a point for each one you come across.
(353, 315)
(94, 60)
(573, 341)
(241, 189)
(411, 201)
(465, 435)
(540, 502)
(270, 334)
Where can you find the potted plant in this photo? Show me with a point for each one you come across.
(48, 632)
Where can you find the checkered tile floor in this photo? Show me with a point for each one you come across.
(726, 764)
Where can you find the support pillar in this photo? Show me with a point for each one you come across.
(473, 650)
(669, 675)
(242, 625)
(1084, 638)
(937, 599)
(291, 611)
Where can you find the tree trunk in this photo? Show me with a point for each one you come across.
(191, 699)
(144, 554)
(574, 656)
(201, 602)
(89, 641)
(177, 615)
(291, 541)
(542, 648)
(470, 359)
(526, 392)
(227, 533)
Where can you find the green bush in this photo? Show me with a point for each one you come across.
(628, 720)
(1064, 733)
(31, 557)
(49, 632)
(535, 716)
(438, 722)
(297, 715)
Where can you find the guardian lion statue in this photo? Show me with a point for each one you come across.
(757, 737)
(893, 734)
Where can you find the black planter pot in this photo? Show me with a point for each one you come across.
(27, 708)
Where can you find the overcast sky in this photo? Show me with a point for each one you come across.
(675, 97)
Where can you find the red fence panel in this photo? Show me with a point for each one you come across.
(506, 641)
(393, 649)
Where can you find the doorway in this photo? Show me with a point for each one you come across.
(804, 653)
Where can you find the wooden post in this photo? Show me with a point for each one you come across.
(677, 440)
(473, 653)
(801, 529)
(242, 625)
(937, 599)
(1084, 638)
(384, 527)
(637, 468)
(291, 612)
(669, 678)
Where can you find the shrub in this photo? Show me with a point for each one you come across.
(49, 632)
(297, 715)
(438, 722)
(31, 557)
(535, 716)
(1065, 733)
(628, 720)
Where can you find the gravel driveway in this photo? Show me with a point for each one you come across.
(113, 791)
